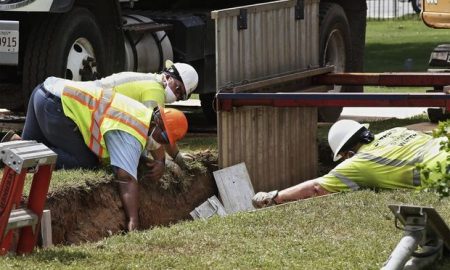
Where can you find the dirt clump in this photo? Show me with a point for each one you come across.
(80, 215)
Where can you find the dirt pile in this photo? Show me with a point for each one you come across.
(94, 213)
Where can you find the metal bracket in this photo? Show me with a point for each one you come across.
(242, 19)
(300, 10)
(26, 154)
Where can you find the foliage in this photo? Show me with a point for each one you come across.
(436, 178)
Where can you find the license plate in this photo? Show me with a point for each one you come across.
(9, 41)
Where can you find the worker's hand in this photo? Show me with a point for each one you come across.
(264, 199)
(132, 225)
(155, 169)
(181, 158)
(174, 168)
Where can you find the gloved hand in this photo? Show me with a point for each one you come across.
(264, 199)
(174, 168)
(181, 158)
(151, 169)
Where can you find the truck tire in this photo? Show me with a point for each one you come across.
(335, 49)
(61, 45)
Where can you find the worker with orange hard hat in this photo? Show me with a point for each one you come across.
(175, 82)
(86, 126)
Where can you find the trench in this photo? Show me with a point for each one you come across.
(87, 215)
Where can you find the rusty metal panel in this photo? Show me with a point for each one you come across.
(278, 145)
(274, 41)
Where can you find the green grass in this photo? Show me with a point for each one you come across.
(198, 142)
(390, 43)
(344, 231)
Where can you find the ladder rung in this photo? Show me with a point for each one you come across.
(21, 218)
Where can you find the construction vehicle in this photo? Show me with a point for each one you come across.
(84, 40)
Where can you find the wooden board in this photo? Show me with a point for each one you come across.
(209, 208)
(46, 229)
(235, 188)
(278, 145)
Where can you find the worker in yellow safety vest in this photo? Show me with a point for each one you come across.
(176, 82)
(86, 124)
(384, 161)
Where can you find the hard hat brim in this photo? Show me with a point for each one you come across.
(337, 156)
(164, 119)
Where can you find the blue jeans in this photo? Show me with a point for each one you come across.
(46, 123)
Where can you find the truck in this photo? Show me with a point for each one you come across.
(85, 40)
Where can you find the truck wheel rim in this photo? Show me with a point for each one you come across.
(334, 54)
(81, 61)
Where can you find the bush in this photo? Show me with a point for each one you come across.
(436, 178)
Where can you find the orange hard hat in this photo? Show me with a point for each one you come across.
(175, 124)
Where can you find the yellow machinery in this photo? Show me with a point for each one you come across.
(436, 13)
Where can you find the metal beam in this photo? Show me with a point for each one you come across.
(278, 79)
(226, 101)
(385, 79)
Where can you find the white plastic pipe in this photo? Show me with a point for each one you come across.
(403, 251)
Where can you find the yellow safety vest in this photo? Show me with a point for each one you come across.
(96, 111)
(143, 87)
(389, 162)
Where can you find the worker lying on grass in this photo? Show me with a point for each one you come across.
(386, 161)
(86, 125)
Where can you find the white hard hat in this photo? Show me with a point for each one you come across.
(340, 133)
(187, 74)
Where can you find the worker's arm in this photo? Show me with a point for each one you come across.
(178, 157)
(157, 165)
(129, 194)
(307, 189)
(125, 150)
(172, 150)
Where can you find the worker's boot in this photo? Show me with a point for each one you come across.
(10, 136)
(264, 199)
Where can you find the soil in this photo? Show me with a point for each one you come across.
(86, 215)
(80, 215)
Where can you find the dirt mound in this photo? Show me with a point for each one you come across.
(92, 214)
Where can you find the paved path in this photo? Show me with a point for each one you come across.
(374, 113)
(357, 113)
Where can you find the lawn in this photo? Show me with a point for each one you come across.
(390, 43)
(342, 231)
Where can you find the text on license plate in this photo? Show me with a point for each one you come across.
(9, 41)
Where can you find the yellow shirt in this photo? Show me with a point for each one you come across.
(389, 162)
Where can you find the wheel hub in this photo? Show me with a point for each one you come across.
(81, 63)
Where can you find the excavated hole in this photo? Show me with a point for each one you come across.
(92, 214)
(82, 215)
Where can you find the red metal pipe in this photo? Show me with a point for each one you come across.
(226, 101)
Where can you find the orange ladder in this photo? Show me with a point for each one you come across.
(20, 158)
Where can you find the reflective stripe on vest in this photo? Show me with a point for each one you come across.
(350, 184)
(102, 109)
(129, 120)
(400, 163)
